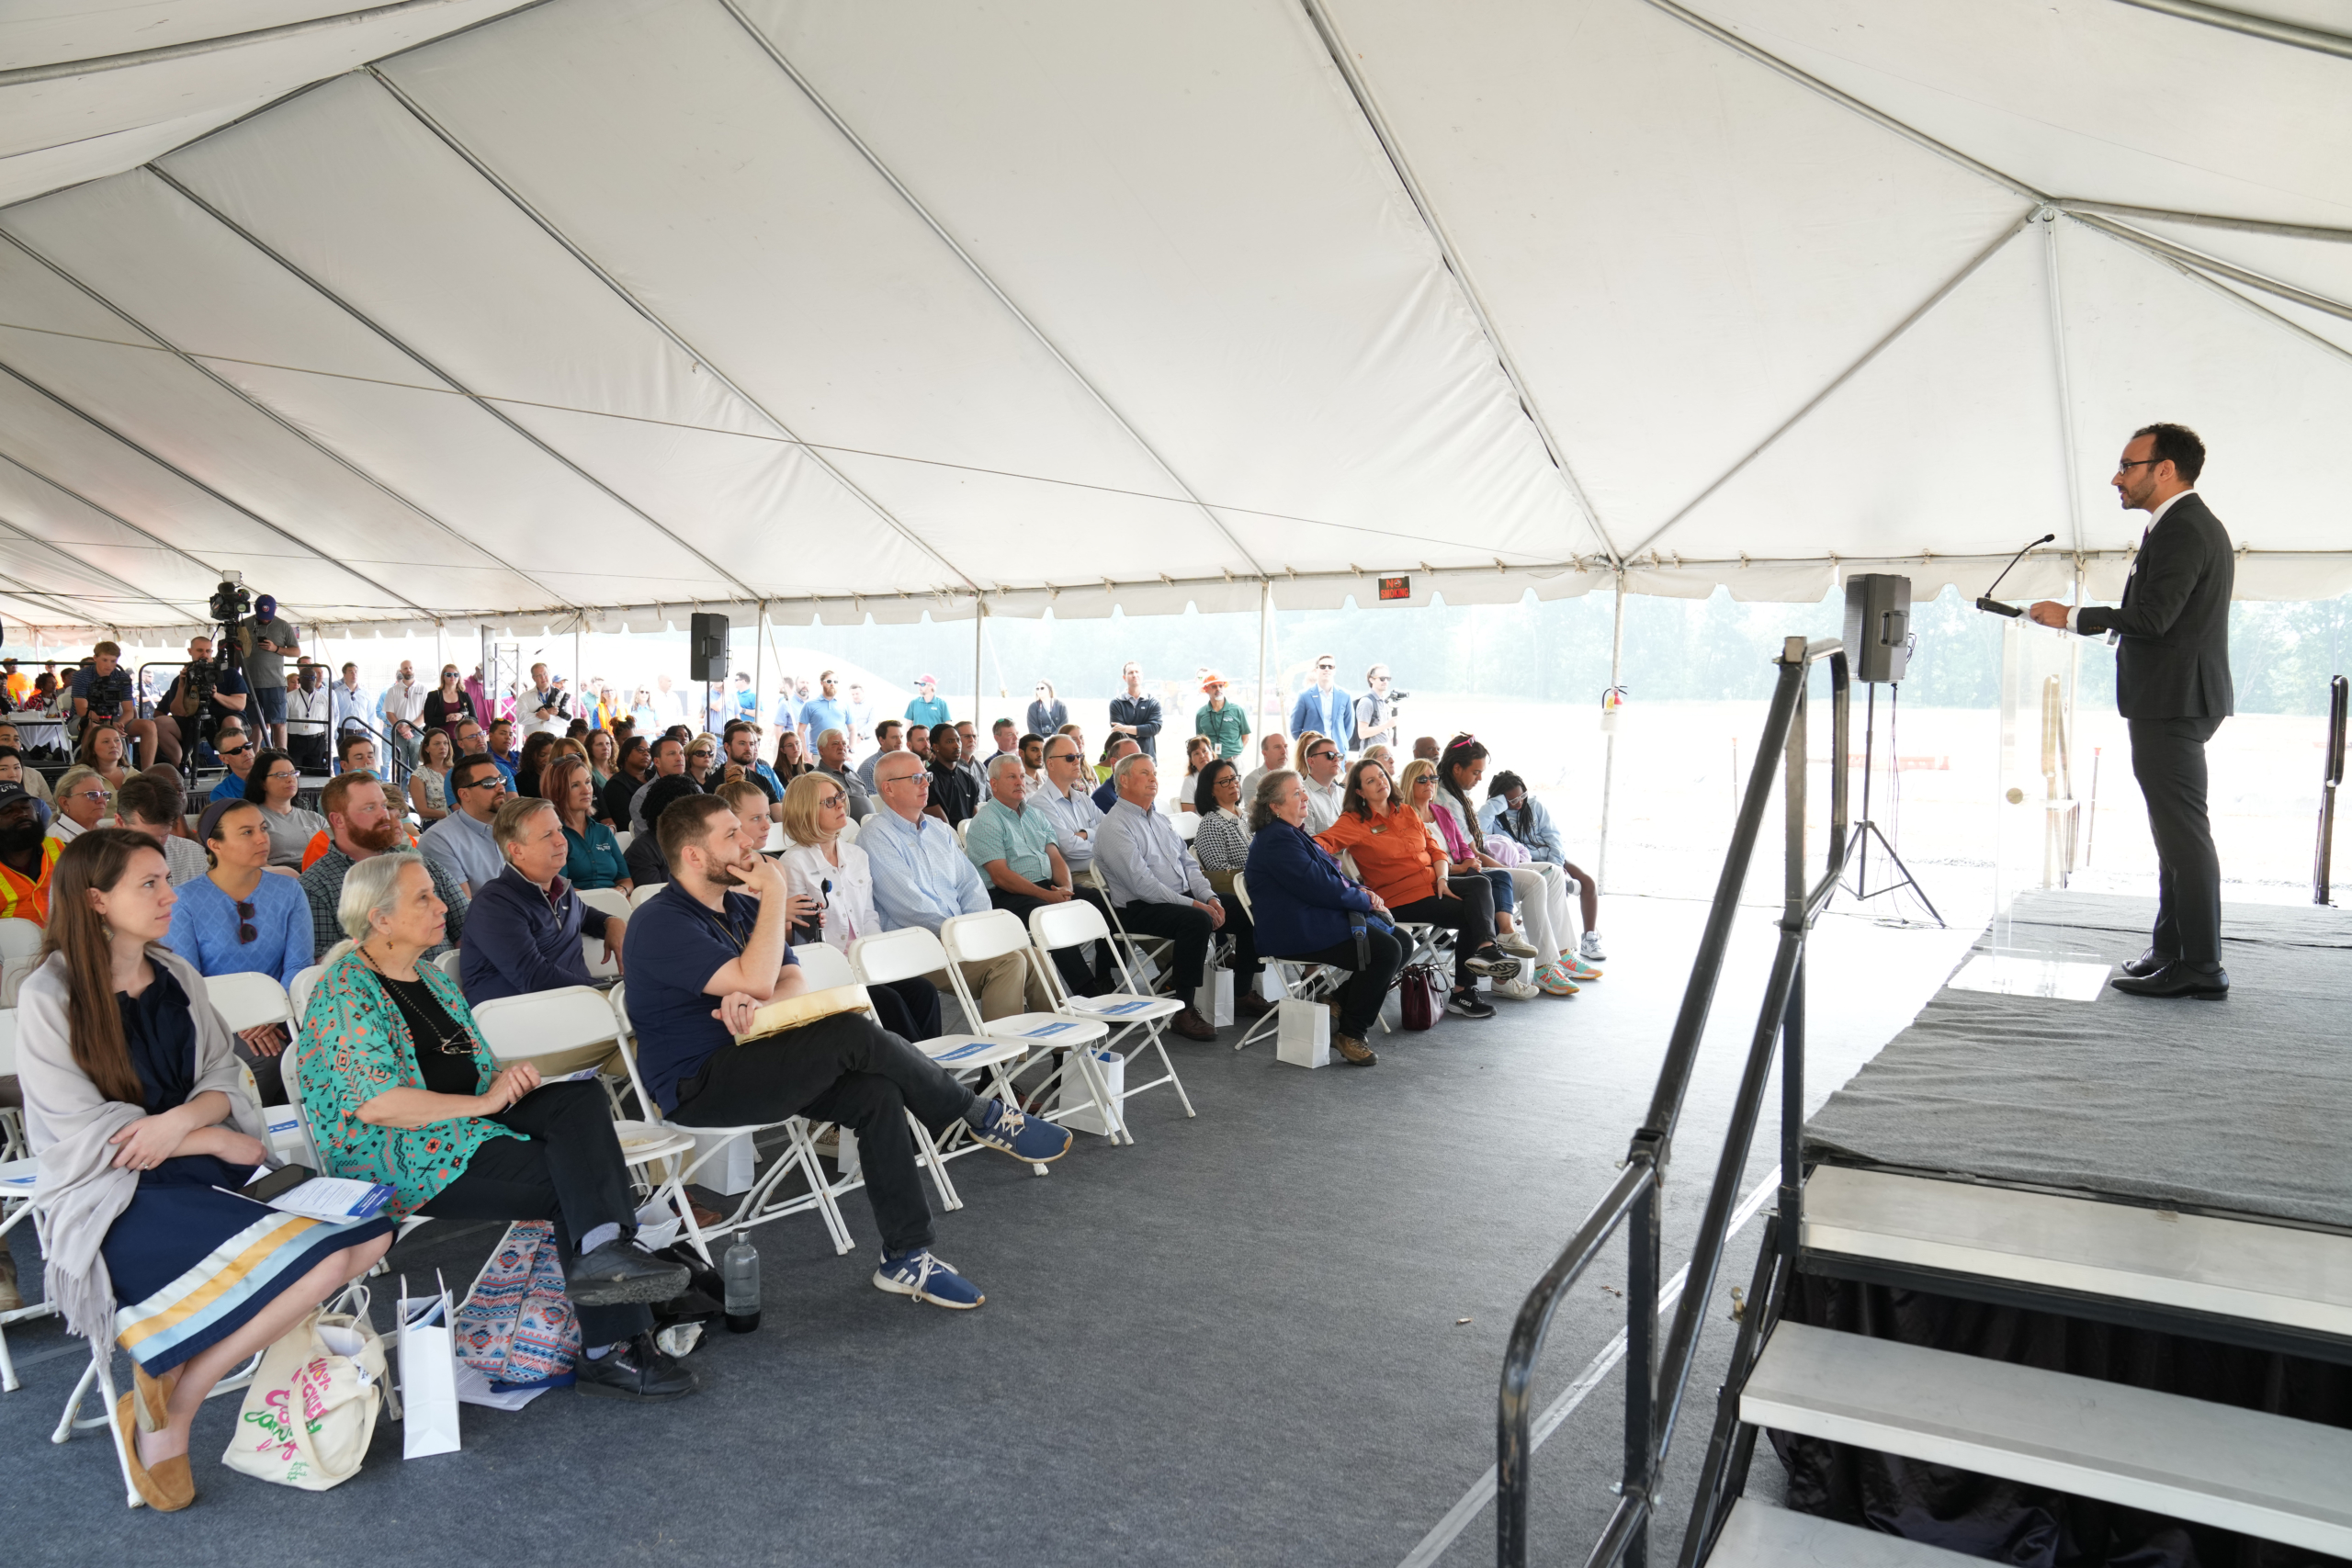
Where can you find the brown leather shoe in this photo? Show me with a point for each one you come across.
(1249, 1004)
(10, 1297)
(167, 1488)
(1352, 1051)
(1192, 1025)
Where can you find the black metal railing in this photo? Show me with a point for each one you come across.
(391, 766)
(1655, 1382)
(2330, 779)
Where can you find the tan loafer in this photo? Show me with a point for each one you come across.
(167, 1488)
(154, 1398)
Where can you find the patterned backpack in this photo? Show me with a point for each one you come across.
(517, 1326)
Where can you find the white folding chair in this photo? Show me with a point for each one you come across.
(1305, 982)
(1187, 824)
(624, 838)
(247, 1001)
(777, 843)
(1144, 949)
(645, 894)
(12, 1121)
(1055, 926)
(990, 934)
(912, 954)
(612, 900)
(298, 990)
(849, 833)
(963, 833)
(447, 963)
(20, 956)
(543, 1023)
(758, 1203)
(824, 968)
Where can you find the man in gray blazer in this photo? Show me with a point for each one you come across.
(2172, 686)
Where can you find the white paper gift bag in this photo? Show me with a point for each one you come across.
(428, 1355)
(1303, 1036)
(1214, 1000)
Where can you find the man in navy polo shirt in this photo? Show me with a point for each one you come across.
(716, 934)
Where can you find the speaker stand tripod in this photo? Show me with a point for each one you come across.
(1866, 829)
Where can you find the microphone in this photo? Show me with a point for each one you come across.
(1987, 603)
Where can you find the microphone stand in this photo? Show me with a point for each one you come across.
(1991, 605)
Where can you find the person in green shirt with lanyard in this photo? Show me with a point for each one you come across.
(1227, 726)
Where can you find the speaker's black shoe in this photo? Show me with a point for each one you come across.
(2174, 981)
(2147, 964)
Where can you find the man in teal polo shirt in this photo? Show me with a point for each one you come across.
(1013, 844)
(1226, 725)
(926, 709)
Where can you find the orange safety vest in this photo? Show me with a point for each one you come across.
(26, 899)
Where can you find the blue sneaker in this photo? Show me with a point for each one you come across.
(1024, 1138)
(927, 1278)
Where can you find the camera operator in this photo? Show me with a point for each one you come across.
(266, 643)
(1376, 711)
(102, 690)
(199, 697)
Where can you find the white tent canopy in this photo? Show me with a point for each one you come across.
(590, 312)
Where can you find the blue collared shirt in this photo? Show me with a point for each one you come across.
(1141, 859)
(464, 848)
(522, 937)
(1077, 821)
(820, 714)
(1020, 839)
(920, 877)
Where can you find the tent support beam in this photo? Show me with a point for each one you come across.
(196, 47)
(1265, 641)
(808, 90)
(2171, 252)
(157, 541)
(596, 269)
(450, 381)
(1609, 741)
(60, 602)
(305, 437)
(1360, 91)
(980, 641)
(2257, 307)
(2263, 28)
(183, 476)
(2076, 204)
(2047, 220)
(1881, 347)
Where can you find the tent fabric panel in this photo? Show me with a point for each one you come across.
(1306, 350)
(138, 571)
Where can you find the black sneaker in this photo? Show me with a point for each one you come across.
(1493, 963)
(620, 1273)
(636, 1369)
(1467, 1004)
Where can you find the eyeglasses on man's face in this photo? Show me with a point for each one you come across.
(232, 751)
(91, 794)
(494, 782)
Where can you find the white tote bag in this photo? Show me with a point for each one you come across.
(428, 1373)
(1214, 1000)
(310, 1412)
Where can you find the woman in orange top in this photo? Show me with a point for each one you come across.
(1396, 858)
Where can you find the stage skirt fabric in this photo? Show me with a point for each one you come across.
(193, 1264)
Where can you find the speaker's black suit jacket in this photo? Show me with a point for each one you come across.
(2174, 658)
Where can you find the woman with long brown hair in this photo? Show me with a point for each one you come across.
(135, 1105)
(595, 859)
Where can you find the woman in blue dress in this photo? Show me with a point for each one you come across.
(240, 918)
(134, 1105)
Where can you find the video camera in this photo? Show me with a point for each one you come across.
(231, 602)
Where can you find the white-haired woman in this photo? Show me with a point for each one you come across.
(399, 1088)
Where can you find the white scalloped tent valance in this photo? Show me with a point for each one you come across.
(593, 311)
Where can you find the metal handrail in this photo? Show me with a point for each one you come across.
(2330, 778)
(1653, 1386)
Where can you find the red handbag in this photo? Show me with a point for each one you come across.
(1417, 997)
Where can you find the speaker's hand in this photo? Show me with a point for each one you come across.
(2049, 613)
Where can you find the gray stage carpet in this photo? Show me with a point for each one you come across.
(2239, 1106)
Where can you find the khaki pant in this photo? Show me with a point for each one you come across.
(1003, 986)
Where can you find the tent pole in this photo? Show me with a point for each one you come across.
(980, 635)
(1265, 637)
(760, 664)
(1609, 741)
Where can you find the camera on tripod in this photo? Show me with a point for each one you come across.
(231, 602)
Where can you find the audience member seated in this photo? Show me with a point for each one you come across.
(1185, 788)
(955, 799)
(1158, 889)
(1118, 749)
(1068, 802)
(83, 802)
(741, 743)
(1397, 859)
(593, 857)
(717, 933)
(101, 751)
(236, 750)
(428, 781)
(1541, 890)
(646, 867)
(1319, 755)
(831, 885)
(1515, 814)
(460, 843)
(177, 712)
(535, 748)
(1222, 846)
(524, 931)
(28, 856)
(498, 745)
(11, 767)
(702, 762)
(102, 690)
(790, 760)
(604, 749)
(669, 762)
(135, 1106)
(239, 919)
(151, 803)
(398, 1088)
(1305, 910)
(355, 753)
(632, 768)
(1012, 841)
(271, 785)
(1032, 762)
(1463, 858)
(754, 813)
(833, 762)
(35, 782)
(921, 878)
(889, 736)
(360, 827)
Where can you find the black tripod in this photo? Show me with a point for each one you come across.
(1866, 829)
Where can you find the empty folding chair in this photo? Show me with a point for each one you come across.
(992, 933)
(758, 1204)
(1125, 1010)
(1143, 949)
(908, 955)
(824, 968)
(538, 1025)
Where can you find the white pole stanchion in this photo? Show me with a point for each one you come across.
(1609, 740)
(1265, 636)
(979, 634)
(759, 672)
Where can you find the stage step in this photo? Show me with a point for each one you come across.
(1760, 1536)
(2240, 1470)
(2273, 1274)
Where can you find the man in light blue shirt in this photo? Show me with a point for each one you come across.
(888, 736)
(460, 843)
(921, 878)
(1069, 804)
(827, 712)
(1158, 889)
(1011, 841)
(788, 707)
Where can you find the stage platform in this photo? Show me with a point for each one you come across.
(2236, 1108)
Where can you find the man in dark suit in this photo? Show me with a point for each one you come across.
(2172, 686)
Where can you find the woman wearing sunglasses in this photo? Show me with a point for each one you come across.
(449, 702)
(83, 801)
(271, 785)
(237, 919)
